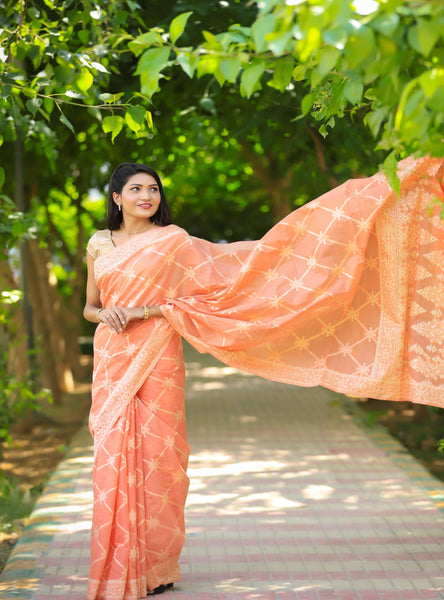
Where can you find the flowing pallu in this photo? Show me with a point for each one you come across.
(346, 292)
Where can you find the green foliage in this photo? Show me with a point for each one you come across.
(16, 394)
(15, 502)
(57, 58)
(385, 60)
(15, 226)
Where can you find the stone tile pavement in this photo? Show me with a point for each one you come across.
(291, 498)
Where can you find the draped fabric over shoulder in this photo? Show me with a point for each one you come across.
(346, 292)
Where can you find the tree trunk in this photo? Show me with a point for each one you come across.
(15, 334)
(277, 189)
(56, 371)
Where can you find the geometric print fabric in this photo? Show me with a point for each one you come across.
(346, 292)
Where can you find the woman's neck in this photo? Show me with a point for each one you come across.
(135, 226)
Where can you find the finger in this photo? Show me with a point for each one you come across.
(119, 319)
(112, 321)
(116, 323)
(120, 315)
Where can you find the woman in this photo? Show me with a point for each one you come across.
(137, 415)
(346, 292)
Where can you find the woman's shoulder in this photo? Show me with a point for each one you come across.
(175, 231)
(100, 234)
(97, 241)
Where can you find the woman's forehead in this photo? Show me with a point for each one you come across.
(142, 179)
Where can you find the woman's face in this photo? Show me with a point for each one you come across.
(140, 197)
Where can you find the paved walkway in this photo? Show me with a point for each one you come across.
(291, 499)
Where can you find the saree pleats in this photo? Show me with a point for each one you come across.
(346, 292)
(140, 488)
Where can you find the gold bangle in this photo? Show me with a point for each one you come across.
(98, 313)
(146, 313)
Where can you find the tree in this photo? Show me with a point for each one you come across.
(252, 88)
(383, 59)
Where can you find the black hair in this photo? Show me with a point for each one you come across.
(118, 179)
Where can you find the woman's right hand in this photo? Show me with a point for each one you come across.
(116, 318)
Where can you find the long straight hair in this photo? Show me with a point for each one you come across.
(118, 179)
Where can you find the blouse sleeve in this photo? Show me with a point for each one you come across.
(93, 246)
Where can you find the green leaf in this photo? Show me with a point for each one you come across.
(149, 119)
(33, 12)
(84, 80)
(329, 56)
(278, 42)
(375, 118)
(282, 73)
(309, 44)
(299, 72)
(207, 64)
(48, 105)
(83, 36)
(260, 29)
(112, 124)
(390, 166)
(150, 38)
(432, 80)
(2, 176)
(99, 67)
(111, 98)
(386, 23)
(307, 103)
(359, 45)
(251, 76)
(230, 68)
(149, 83)
(423, 36)
(219, 76)
(153, 61)
(67, 123)
(33, 105)
(353, 90)
(135, 118)
(178, 25)
(188, 63)
(211, 41)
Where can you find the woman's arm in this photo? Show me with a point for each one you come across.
(116, 317)
(93, 303)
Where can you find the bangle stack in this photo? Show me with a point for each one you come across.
(146, 313)
(98, 313)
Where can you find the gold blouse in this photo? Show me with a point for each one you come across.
(100, 243)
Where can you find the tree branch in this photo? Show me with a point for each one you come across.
(320, 159)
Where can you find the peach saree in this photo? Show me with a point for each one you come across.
(346, 292)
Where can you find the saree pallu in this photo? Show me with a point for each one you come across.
(346, 292)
